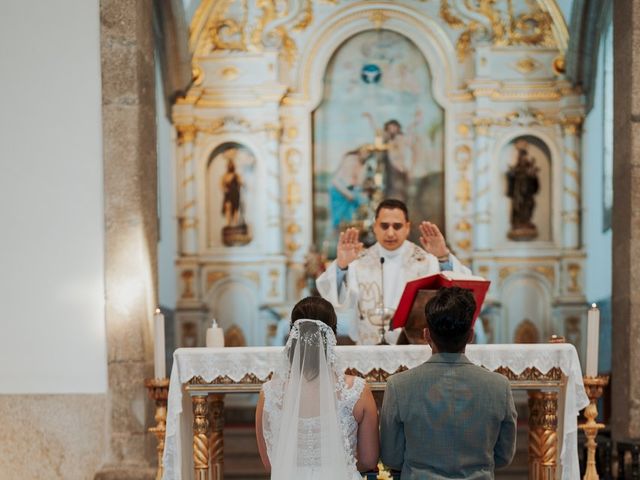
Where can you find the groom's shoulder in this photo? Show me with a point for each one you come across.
(409, 377)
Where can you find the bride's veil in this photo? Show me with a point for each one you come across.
(308, 439)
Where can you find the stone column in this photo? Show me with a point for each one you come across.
(625, 378)
(571, 186)
(130, 256)
(188, 215)
(273, 235)
(482, 190)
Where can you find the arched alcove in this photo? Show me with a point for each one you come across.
(525, 297)
(378, 132)
(231, 196)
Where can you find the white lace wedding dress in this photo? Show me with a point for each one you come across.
(303, 431)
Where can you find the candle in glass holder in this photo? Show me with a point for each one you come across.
(593, 338)
(159, 365)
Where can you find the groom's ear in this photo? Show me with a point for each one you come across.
(426, 335)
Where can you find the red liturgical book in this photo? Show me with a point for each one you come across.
(478, 285)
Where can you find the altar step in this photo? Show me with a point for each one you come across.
(241, 457)
(242, 461)
(519, 468)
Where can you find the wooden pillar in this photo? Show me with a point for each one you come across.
(200, 437)
(543, 435)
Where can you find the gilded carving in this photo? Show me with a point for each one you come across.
(186, 133)
(543, 436)
(378, 18)
(546, 271)
(463, 129)
(527, 65)
(573, 174)
(464, 244)
(253, 276)
(463, 192)
(229, 33)
(187, 282)
(463, 226)
(374, 375)
(483, 271)
(200, 435)
(307, 17)
(463, 157)
(504, 27)
(269, 14)
(293, 246)
(571, 217)
(275, 277)
(197, 74)
(572, 125)
(531, 374)
(573, 270)
(526, 332)
(293, 228)
(559, 65)
(506, 272)
(229, 73)
(213, 277)
(292, 159)
(294, 194)
(292, 132)
(234, 337)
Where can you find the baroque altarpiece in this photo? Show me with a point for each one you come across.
(286, 93)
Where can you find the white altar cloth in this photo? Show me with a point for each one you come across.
(210, 363)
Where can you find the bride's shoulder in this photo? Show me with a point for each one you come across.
(353, 382)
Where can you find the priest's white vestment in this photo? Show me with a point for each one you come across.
(361, 287)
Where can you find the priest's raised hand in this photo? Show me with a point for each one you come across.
(349, 247)
(433, 241)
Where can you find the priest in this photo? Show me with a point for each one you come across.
(359, 280)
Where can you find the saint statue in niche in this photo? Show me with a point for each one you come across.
(522, 186)
(235, 230)
(231, 183)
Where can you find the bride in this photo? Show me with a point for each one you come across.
(313, 421)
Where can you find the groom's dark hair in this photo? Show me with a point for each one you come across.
(449, 317)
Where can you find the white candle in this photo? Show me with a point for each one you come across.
(159, 365)
(593, 333)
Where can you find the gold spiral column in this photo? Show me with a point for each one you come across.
(543, 435)
(200, 437)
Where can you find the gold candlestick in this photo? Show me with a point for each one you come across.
(594, 387)
(159, 391)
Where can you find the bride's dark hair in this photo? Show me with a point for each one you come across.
(315, 308)
(312, 308)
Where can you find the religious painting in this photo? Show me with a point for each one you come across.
(378, 133)
(230, 194)
(527, 180)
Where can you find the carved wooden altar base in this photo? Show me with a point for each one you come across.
(208, 416)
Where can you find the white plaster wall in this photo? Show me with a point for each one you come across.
(167, 246)
(597, 243)
(52, 324)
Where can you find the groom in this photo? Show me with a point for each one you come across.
(448, 418)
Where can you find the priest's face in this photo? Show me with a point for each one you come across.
(391, 228)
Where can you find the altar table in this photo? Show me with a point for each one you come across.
(551, 374)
